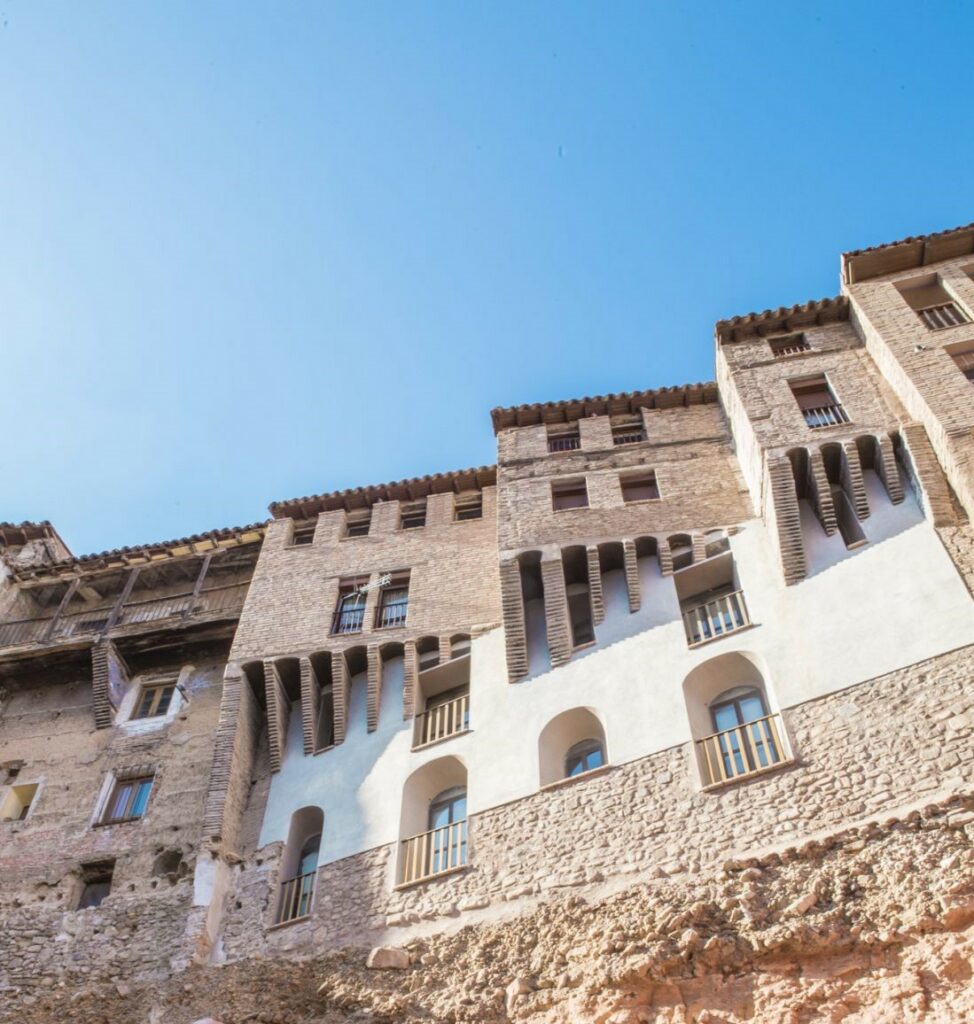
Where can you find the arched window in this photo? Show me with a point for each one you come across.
(299, 864)
(738, 717)
(433, 826)
(583, 757)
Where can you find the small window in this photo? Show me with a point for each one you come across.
(964, 361)
(350, 611)
(304, 533)
(128, 800)
(818, 403)
(639, 487)
(580, 614)
(17, 803)
(393, 603)
(154, 700)
(412, 514)
(567, 494)
(931, 302)
(789, 345)
(564, 438)
(468, 506)
(628, 430)
(584, 757)
(96, 884)
(357, 523)
(326, 718)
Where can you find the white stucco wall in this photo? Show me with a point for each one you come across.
(858, 615)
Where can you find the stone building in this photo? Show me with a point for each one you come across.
(669, 631)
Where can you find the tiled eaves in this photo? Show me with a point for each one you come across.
(17, 534)
(784, 319)
(148, 554)
(907, 253)
(472, 479)
(625, 403)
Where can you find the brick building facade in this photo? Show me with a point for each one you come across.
(669, 628)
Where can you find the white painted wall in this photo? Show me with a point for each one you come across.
(858, 615)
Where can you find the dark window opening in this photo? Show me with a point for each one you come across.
(564, 439)
(580, 612)
(789, 345)
(639, 487)
(628, 430)
(567, 494)
(304, 533)
(412, 514)
(357, 523)
(393, 603)
(350, 612)
(818, 403)
(468, 506)
(96, 884)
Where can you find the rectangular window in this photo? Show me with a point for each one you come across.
(580, 613)
(567, 494)
(128, 799)
(817, 402)
(639, 487)
(931, 302)
(964, 362)
(350, 610)
(357, 522)
(564, 438)
(304, 533)
(412, 514)
(468, 506)
(154, 700)
(326, 718)
(789, 345)
(16, 804)
(627, 430)
(96, 883)
(393, 603)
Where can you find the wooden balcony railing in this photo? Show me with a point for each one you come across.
(744, 750)
(432, 853)
(443, 720)
(92, 621)
(825, 416)
(295, 899)
(945, 314)
(715, 618)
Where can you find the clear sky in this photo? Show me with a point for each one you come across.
(253, 251)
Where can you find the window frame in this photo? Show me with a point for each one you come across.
(579, 753)
(303, 535)
(159, 691)
(568, 486)
(413, 514)
(132, 801)
(398, 583)
(468, 507)
(358, 523)
(643, 478)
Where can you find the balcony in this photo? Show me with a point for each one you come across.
(745, 750)
(435, 852)
(92, 622)
(825, 416)
(442, 721)
(716, 617)
(941, 316)
(295, 898)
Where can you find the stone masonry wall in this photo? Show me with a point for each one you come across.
(885, 744)
(138, 929)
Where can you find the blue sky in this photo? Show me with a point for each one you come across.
(253, 251)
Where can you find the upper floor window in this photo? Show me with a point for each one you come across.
(96, 884)
(931, 302)
(744, 741)
(567, 494)
(788, 345)
(639, 486)
(357, 522)
(964, 362)
(128, 799)
(564, 438)
(154, 700)
(304, 533)
(584, 757)
(394, 602)
(627, 430)
(17, 803)
(350, 612)
(468, 506)
(412, 514)
(817, 402)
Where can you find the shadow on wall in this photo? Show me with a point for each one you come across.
(885, 521)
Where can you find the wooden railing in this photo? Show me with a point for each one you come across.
(825, 416)
(944, 314)
(716, 617)
(448, 719)
(295, 899)
(431, 853)
(744, 750)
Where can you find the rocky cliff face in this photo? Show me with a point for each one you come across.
(873, 924)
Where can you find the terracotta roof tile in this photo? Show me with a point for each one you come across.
(784, 318)
(913, 251)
